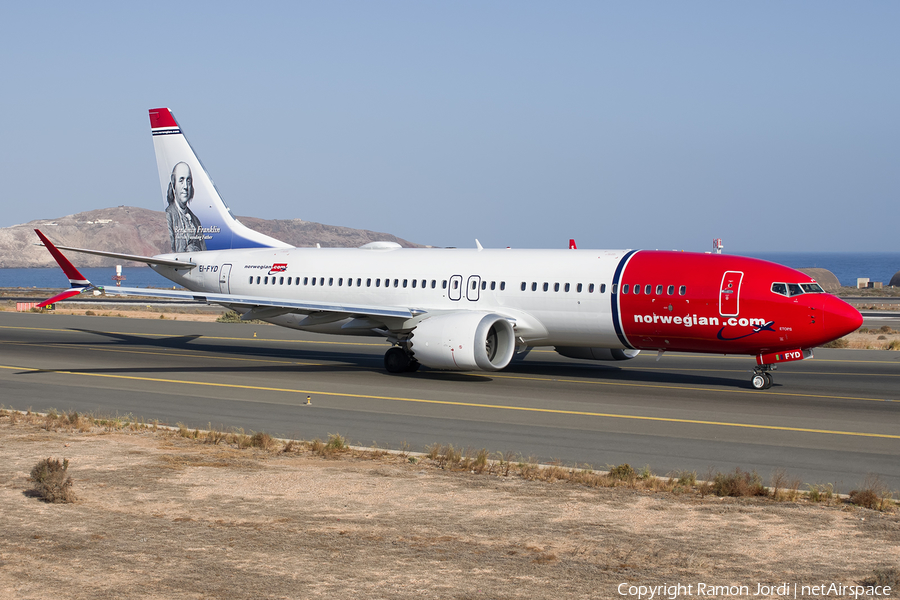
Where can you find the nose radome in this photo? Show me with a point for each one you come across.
(840, 318)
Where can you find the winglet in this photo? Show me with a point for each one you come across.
(76, 279)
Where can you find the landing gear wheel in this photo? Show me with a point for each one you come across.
(768, 381)
(413, 366)
(396, 360)
(758, 382)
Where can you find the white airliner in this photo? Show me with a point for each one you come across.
(473, 309)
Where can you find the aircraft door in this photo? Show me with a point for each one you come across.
(729, 293)
(473, 288)
(455, 290)
(224, 277)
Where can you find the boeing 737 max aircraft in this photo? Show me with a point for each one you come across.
(474, 309)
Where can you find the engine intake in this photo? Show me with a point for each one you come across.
(464, 341)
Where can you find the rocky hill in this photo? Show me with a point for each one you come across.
(132, 230)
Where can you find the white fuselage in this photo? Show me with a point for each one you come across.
(574, 310)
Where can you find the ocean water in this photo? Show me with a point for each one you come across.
(846, 266)
(55, 278)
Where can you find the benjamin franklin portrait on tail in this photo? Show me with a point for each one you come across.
(185, 232)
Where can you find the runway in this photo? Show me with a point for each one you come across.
(833, 419)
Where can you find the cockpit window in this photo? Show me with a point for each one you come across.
(795, 289)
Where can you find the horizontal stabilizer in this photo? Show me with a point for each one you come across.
(150, 260)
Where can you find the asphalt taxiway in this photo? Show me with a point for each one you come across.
(834, 419)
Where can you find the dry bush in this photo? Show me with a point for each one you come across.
(263, 441)
(739, 484)
(291, 446)
(52, 482)
(481, 461)
(317, 446)
(866, 498)
(215, 437)
(785, 489)
(336, 442)
(838, 343)
(887, 576)
(623, 472)
(240, 439)
(821, 493)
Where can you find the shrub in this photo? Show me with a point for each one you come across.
(229, 317)
(866, 498)
(821, 493)
(262, 440)
(894, 345)
(623, 472)
(739, 484)
(52, 482)
(336, 442)
(838, 343)
(886, 329)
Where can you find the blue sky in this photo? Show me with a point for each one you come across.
(775, 126)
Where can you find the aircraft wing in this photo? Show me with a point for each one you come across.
(261, 302)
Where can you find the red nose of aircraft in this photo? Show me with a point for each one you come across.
(840, 318)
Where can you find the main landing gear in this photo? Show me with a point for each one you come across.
(762, 378)
(397, 360)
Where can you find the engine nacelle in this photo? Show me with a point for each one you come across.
(597, 353)
(464, 341)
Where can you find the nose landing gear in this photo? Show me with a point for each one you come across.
(762, 378)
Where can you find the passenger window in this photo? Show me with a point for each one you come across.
(415, 281)
(613, 289)
(358, 281)
(534, 286)
(340, 281)
(590, 288)
(602, 288)
(396, 282)
(251, 280)
(266, 281)
(682, 290)
(484, 285)
(625, 288)
(349, 282)
(637, 289)
(404, 282)
(567, 287)
(474, 285)
(670, 290)
(546, 286)
(433, 283)
(289, 281)
(648, 288)
(444, 284)
(281, 281)
(424, 283)
(578, 288)
(493, 285)
(455, 284)
(502, 285)
(523, 286)
(321, 281)
(305, 280)
(659, 290)
(331, 281)
(257, 280)
(555, 287)
(369, 282)
(378, 282)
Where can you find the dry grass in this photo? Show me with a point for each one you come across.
(873, 494)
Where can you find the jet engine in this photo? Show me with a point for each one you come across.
(463, 341)
(597, 353)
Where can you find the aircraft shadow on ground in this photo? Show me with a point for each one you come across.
(344, 361)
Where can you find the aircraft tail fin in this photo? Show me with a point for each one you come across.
(197, 217)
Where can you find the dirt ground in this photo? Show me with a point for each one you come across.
(160, 516)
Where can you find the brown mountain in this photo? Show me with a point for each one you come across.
(133, 230)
